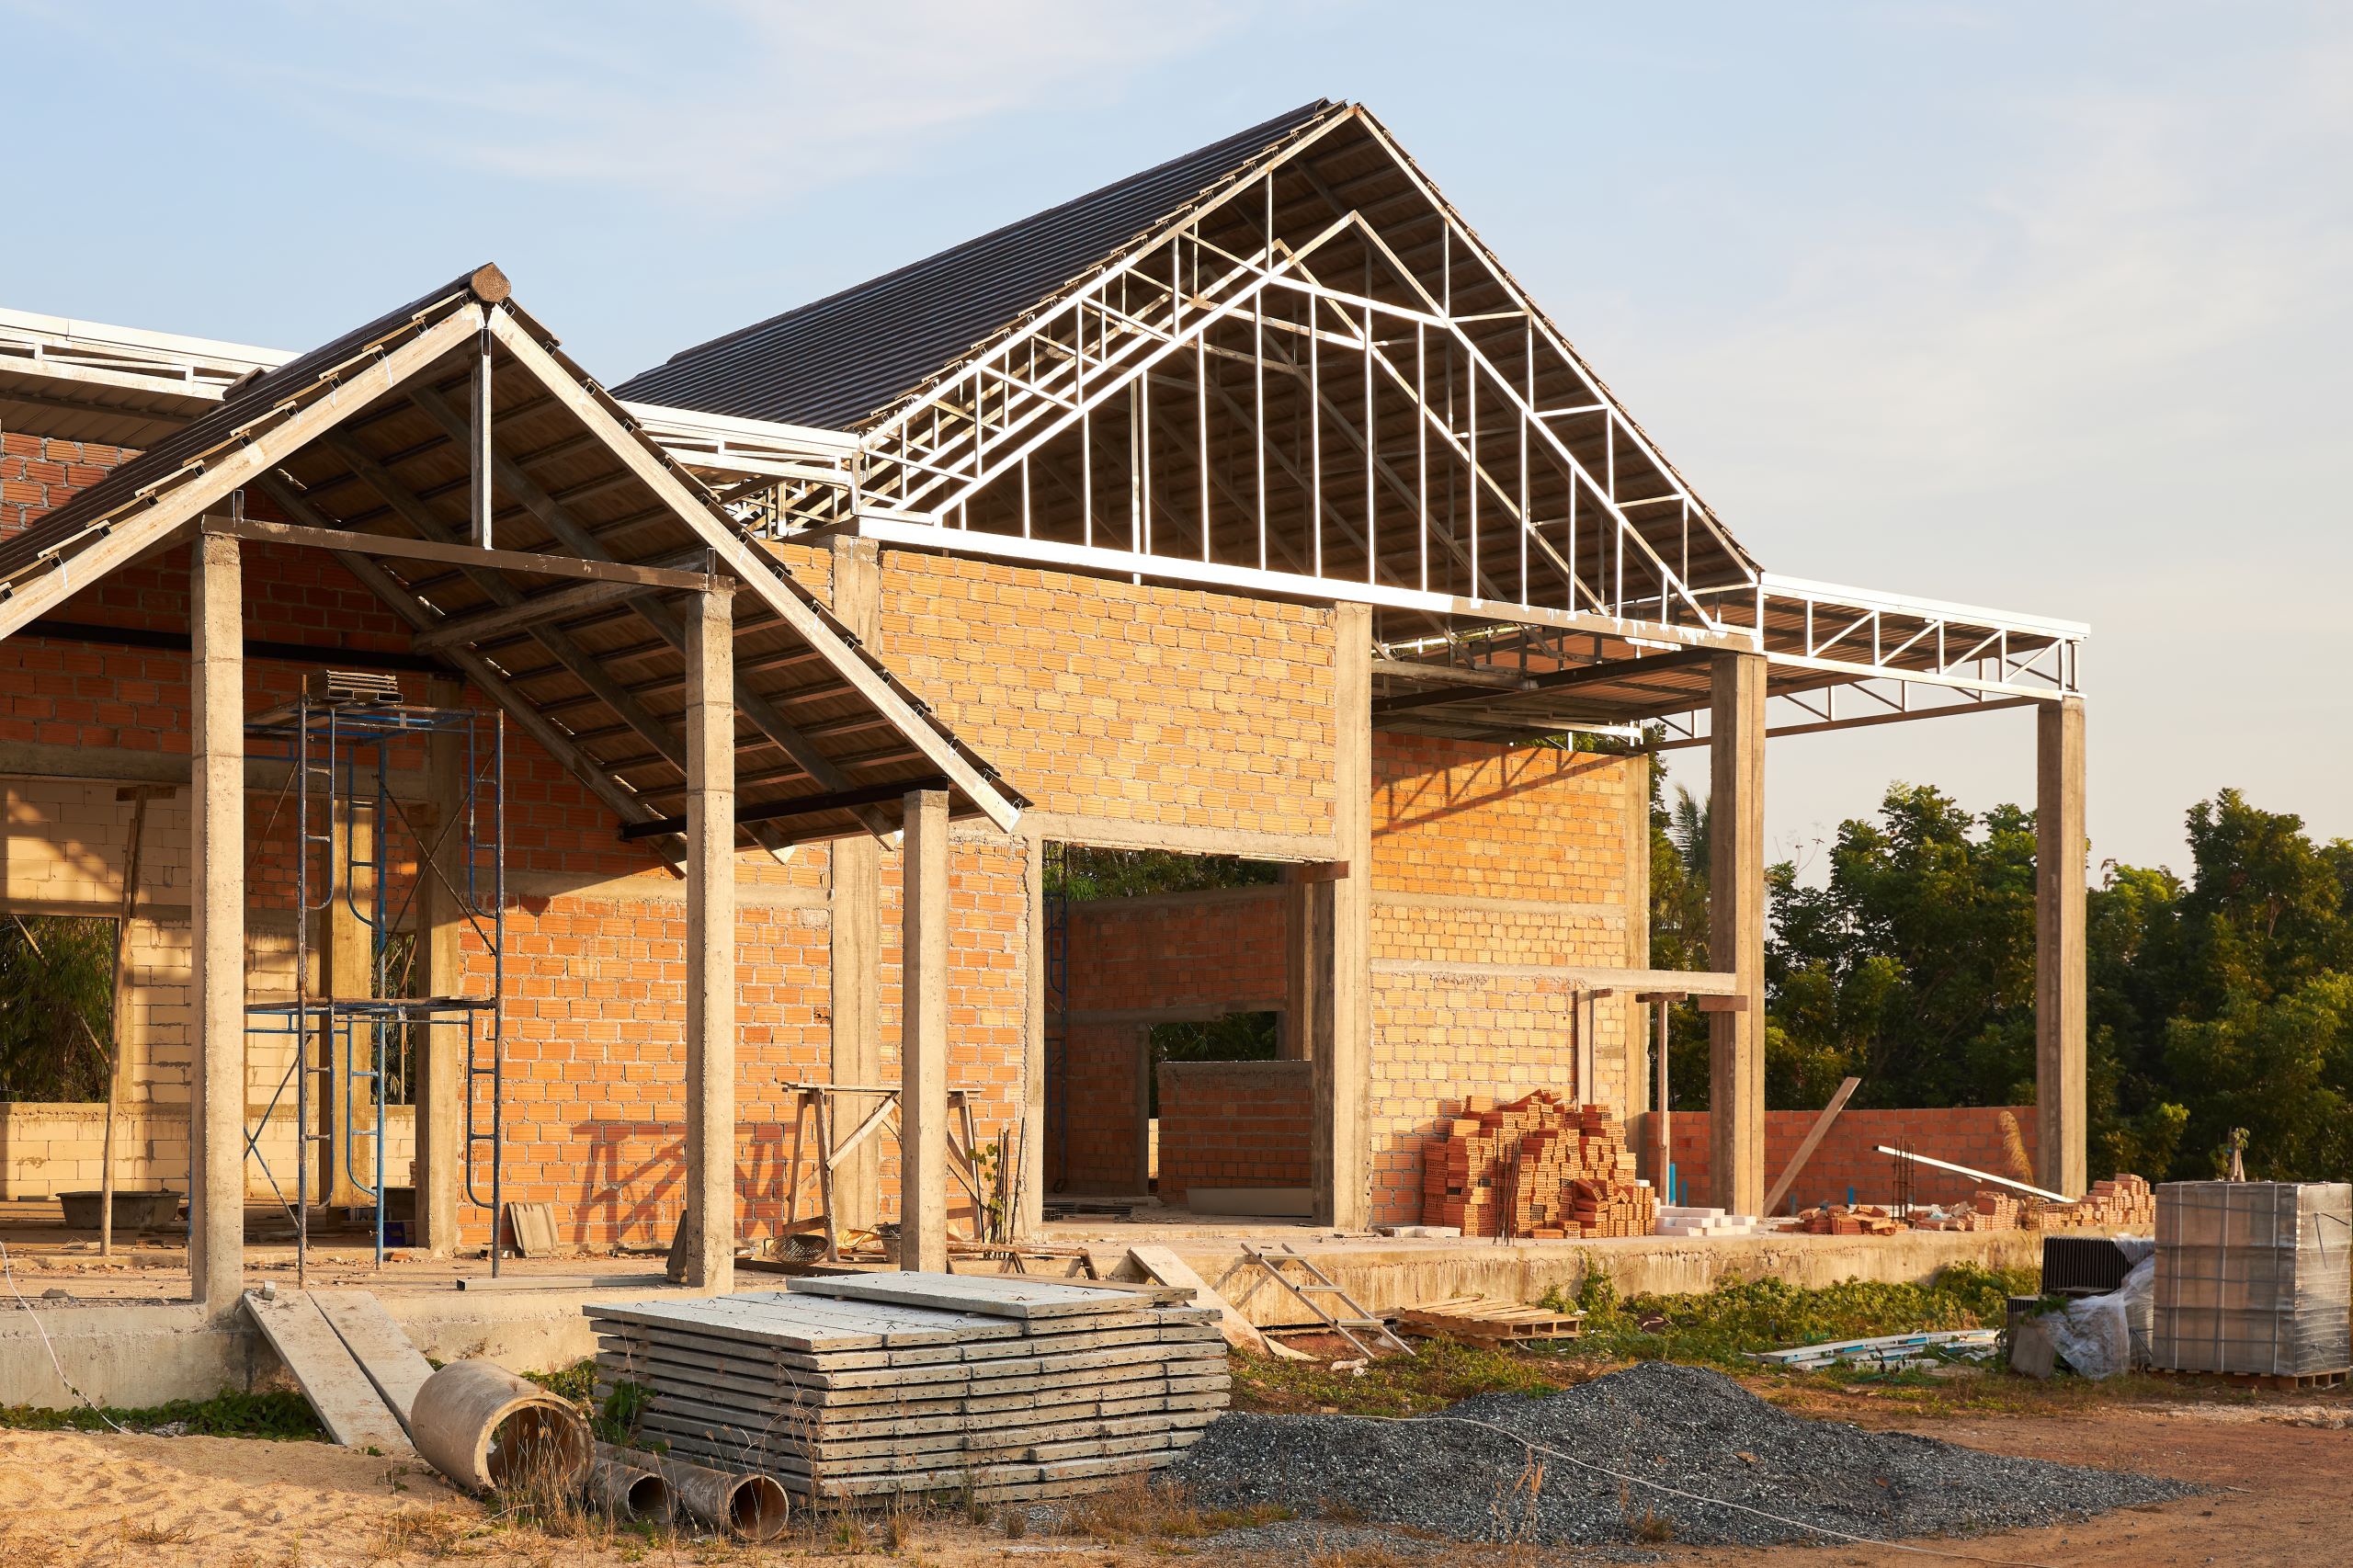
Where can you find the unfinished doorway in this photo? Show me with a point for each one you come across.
(1162, 972)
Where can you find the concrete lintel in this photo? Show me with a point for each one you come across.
(1119, 833)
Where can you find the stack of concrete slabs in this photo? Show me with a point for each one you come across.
(849, 1386)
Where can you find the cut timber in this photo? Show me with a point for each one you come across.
(1813, 1141)
(1159, 1264)
(1483, 1320)
(332, 1377)
(383, 1351)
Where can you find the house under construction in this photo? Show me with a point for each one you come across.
(560, 795)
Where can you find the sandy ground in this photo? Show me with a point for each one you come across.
(115, 1502)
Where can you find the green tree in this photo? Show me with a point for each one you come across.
(56, 1007)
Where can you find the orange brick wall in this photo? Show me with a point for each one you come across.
(1218, 948)
(1234, 1124)
(1477, 822)
(1142, 703)
(1966, 1136)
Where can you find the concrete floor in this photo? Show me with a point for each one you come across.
(124, 1331)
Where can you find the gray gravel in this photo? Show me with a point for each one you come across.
(1687, 1427)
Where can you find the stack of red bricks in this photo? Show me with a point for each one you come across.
(1537, 1167)
(2124, 1200)
(1849, 1220)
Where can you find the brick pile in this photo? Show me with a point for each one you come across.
(1988, 1211)
(1537, 1167)
(1849, 1220)
(2124, 1200)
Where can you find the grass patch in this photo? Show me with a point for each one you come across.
(1722, 1326)
(1445, 1371)
(1717, 1327)
(279, 1416)
(576, 1382)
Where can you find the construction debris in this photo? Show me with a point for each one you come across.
(1926, 1348)
(1536, 1167)
(1485, 1321)
(488, 1430)
(848, 1385)
(2126, 1201)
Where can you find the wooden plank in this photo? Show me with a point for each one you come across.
(382, 1348)
(1159, 1264)
(1814, 1136)
(380, 546)
(332, 1380)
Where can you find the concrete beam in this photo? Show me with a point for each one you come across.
(2059, 1011)
(855, 951)
(1339, 936)
(217, 818)
(1736, 930)
(441, 1085)
(711, 944)
(923, 1038)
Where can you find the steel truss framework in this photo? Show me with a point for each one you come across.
(1317, 382)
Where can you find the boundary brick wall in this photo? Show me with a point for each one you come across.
(1234, 1124)
(1967, 1135)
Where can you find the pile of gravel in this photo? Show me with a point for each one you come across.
(1686, 1428)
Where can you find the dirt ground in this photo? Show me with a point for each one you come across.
(115, 1502)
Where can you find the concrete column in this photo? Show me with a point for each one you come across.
(441, 1076)
(711, 944)
(1032, 1136)
(1340, 932)
(2060, 850)
(1634, 777)
(1736, 931)
(217, 1120)
(855, 944)
(923, 1038)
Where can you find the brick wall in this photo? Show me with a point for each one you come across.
(1490, 865)
(1205, 953)
(1966, 1136)
(1234, 1124)
(38, 474)
(1114, 699)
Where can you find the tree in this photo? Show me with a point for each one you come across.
(56, 1007)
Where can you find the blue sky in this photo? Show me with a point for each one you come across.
(2045, 306)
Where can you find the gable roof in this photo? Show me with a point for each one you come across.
(845, 358)
(366, 434)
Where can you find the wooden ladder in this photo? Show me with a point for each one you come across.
(1318, 1283)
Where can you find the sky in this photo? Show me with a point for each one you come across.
(2043, 306)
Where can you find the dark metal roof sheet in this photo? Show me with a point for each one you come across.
(242, 406)
(846, 358)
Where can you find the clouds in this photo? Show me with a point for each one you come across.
(712, 105)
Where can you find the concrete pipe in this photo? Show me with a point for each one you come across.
(621, 1484)
(747, 1506)
(488, 1430)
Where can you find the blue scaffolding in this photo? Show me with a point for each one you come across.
(355, 843)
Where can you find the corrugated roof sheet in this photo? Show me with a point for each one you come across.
(852, 355)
